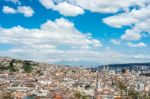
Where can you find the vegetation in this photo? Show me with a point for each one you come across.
(11, 66)
(146, 74)
(130, 91)
(79, 95)
(27, 66)
(17, 65)
(3, 68)
(133, 93)
(122, 87)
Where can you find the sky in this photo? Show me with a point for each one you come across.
(76, 32)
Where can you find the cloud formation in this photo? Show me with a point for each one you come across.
(141, 44)
(131, 13)
(27, 11)
(8, 10)
(55, 39)
(64, 8)
(137, 19)
(59, 40)
(106, 6)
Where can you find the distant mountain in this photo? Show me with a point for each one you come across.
(79, 63)
(130, 66)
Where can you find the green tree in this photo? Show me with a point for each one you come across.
(122, 87)
(11, 66)
(27, 66)
(133, 93)
(79, 95)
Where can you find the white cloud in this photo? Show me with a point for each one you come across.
(109, 6)
(141, 44)
(47, 3)
(27, 11)
(67, 9)
(58, 40)
(138, 20)
(64, 8)
(131, 35)
(105, 6)
(116, 42)
(128, 18)
(100, 6)
(120, 20)
(8, 10)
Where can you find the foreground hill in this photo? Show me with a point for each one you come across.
(11, 65)
(16, 65)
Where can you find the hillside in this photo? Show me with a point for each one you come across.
(11, 65)
(16, 65)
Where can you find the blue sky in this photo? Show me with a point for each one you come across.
(75, 31)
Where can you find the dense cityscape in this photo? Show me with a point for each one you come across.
(21, 79)
(74, 49)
